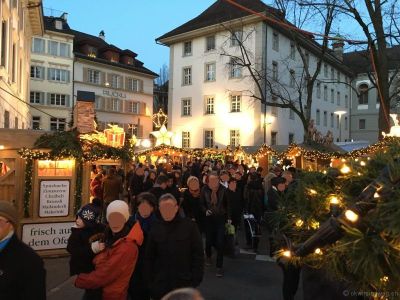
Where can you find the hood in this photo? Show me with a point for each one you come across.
(136, 234)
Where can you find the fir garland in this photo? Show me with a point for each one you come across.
(28, 186)
(78, 186)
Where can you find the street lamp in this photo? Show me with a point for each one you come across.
(340, 113)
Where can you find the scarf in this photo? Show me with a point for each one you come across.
(214, 197)
(145, 223)
(111, 237)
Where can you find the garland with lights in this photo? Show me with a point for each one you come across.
(359, 209)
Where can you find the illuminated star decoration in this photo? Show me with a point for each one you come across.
(163, 136)
(160, 119)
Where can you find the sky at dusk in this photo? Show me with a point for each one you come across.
(133, 24)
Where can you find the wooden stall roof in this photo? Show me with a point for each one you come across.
(19, 138)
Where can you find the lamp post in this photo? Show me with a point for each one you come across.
(340, 113)
(268, 120)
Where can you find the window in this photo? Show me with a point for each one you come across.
(16, 122)
(346, 101)
(325, 118)
(337, 121)
(292, 79)
(318, 117)
(38, 45)
(58, 99)
(275, 41)
(274, 137)
(37, 72)
(187, 48)
(318, 90)
(52, 48)
(115, 104)
(210, 105)
(325, 93)
(346, 126)
(6, 119)
(187, 76)
(363, 92)
(332, 96)
(57, 124)
(361, 124)
(14, 63)
(210, 72)
(235, 69)
(274, 70)
(186, 107)
(338, 98)
(93, 76)
(291, 114)
(234, 138)
(36, 123)
(133, 84)
(292, 51)
(36, 98)
(325, 70)
(132, 107)
(92, 51)
(332, 120)
(209, 138)
(274, 109)
(235, 103)
(291, 138)
(4, 41)
(185, 139)
(64, 50)
(115, 81)
(236, 37)
(338, 76)
(332, 73)
(210, 43)
(58, 75)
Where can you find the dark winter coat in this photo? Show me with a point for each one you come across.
(148, 184)
(274, 197)
(221, 211)
(158, 192)
(22, 275)
(136, 184)
(254, 196)
(193, 209)
(174, 191)
(174, 256)
(112, 187)
(80, 249)
(236, 203)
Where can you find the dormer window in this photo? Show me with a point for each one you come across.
(92, 51)
(114, 57)
(129, 61)
(58, 24)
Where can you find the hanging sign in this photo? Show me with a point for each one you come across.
(54, 198)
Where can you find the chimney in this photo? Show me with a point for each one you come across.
(102, 35)
(64, 16)
(337, 46)
(84, 112)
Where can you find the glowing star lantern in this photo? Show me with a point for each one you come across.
(115, 136)
(163, 136)
(395, 129)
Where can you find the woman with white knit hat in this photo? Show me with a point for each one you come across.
(115, 264)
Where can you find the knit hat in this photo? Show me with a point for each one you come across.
(8, 211)
(89, 214)
(118, 206)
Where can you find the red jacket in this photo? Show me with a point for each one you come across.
(114, 267)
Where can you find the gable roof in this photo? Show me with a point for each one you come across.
(360, 61)
(221, 11)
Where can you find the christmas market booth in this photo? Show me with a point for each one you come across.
(165, 154)
(265, 156)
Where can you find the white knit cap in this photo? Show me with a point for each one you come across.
(118, 206)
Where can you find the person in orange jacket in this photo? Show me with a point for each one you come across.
(115, 264)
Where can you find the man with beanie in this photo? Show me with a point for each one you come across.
(174, 252)
(115, 264)
(22, 275)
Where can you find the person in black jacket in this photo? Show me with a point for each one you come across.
(147, 205)
(22, 273)
(174, 251)
(136, 183)
(160, 187)
(191, 203)
(149, 181)
(80, 244)
(216, 206)
(235, 201)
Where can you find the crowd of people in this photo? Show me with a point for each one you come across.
(163, 232)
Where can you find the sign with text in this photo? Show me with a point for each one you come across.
(114, 94)
(54, 198)
(47, 236)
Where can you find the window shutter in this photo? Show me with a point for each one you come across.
(108, 104)
(42, 98)
(103, 78)
(67, 102)
(108, 79)
(140, 131)
(85, 75)
(48, 73)
(126, 106)
(42, 70)
(67, 76)
(126, 83)
(48, 98)
(140, 87)
(120, 105)
(142, 108)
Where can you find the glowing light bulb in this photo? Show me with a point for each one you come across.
(318, 251)
(334, 200)
(287, 253)
(376, 195)
(351, 216)
(299, 223)
(345, 169)
(312, 192)
(384, 279)
(362, 163)
(356, 160)
(343, 160)
(324, 172)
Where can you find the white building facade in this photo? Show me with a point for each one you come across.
(210, 97)
(18, 23)
(51, 76)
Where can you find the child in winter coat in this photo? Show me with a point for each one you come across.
(79, 244)
(116, 263)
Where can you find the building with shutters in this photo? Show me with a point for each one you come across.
(52, 63)
(19, 21)
(209, 102)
